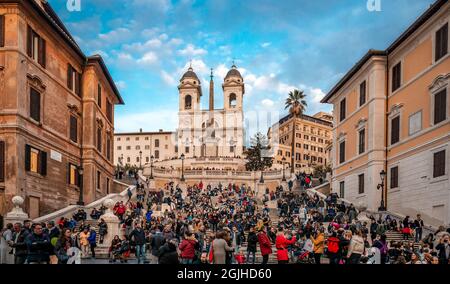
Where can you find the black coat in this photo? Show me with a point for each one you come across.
(20, 245)
(157, 241)
(139, 237)
(39, 248)
(252, 241)
(168, 254)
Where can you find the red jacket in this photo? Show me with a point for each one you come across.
(187, 248)
(281, 244)
(264, 244)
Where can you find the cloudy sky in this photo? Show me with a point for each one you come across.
(277, 45)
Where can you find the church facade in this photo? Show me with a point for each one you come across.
(211, 132)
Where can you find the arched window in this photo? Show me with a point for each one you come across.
(188, 102)
(233, 100)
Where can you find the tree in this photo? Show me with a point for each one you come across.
(256, 155)
(296, 104)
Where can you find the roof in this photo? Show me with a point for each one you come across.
(190, 74)
(308, 118)
(432, 10)
(99, 59)
(143, 133)
(233, 72)
(54, 21)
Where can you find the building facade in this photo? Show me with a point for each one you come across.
(312, 135)
(212, 132)
(136, 149)
(56, 113)
(392, 113)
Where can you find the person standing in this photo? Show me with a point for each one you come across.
(38, 246)
(138, 235)
(281, 243)
(356, 248)
(219, 248)
(84, 242)
(102, 230)
(18, 243)
(252, 240)
(319, 244)
(157, 240)
(5, 256)
(443, 249)
(418, 225)
(62, 246)
(92, 239)
(187, 248)
(264, 244)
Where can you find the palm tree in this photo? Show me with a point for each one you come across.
(296, 104)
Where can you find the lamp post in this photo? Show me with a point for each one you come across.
(261, 180)
(284, 163)
(182, 167)
(381, 185)
(80, 180)
(151, 167)
(140, 159)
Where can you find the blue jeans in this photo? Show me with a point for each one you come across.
(140, 253)
(186, 261)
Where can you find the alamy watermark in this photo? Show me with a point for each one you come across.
(374, 5)
(73, 5)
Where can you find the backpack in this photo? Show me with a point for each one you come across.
(333, 245)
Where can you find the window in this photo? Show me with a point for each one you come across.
(2, 30)
(2, 161)
(188, 102)
(361, 184)
(313, 148)
(280, 152)
(35, 160)
(35, 105)
(320, 160)
(166, 146)
(305, 157)
(73, 129)
(313, 139)
(36, 47)
(73, 80)
(233, 100)
(394, 177)
(342, 110)
(118, 138)
(186, 150)
(137, 159)
(147, 147)
(128, 139)
(147, 159)
(138, 147)
(439, 164)
(146, 138)
(441, 42)
(362, 141)
(157, 154)
(176, 149)
(128, 159)
(98, 180)
(99, 139)
(73, 176)
(136, 138)
(440, 106)
(128, 147)
(362, 93)
(306, 137)
(157, 143)
(119, 147)
(415, 123)
(341, 189)
(396, 76)
(298, 135)
(395, 130)
(305, 146)
(99, 96)
(109, 110)
(342, 152)
(108, 148)
(298, 156)
(320, 149)
(320, 140)
(298, 145)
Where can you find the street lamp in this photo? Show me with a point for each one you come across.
(182, 167)
(140, 159)
(284, 163)
(381, 185)
(261, 180)
(151, 167)
(80, 180)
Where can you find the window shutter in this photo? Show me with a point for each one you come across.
(68, 173)
(30, 41)
(77, 84)
(77, 178)
(69, 76)
(2, 161)
(2, 30)
(395, 130)
(35, 104)
(27, 157)
(43, 162)
(440, 106)
(42, 51)
(73, 129)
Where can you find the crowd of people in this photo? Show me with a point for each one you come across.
(228, 224)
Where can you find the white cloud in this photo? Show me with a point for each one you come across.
(121, 85)
(115, 36)
(191, 50)
(158, 5)
(266, 44)
(175, 41)
(148, 58)
(124, 56)
(168, 79)
(148, 121)
(267, 103)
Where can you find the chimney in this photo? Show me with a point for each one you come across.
(160, 130)
(140, 130)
